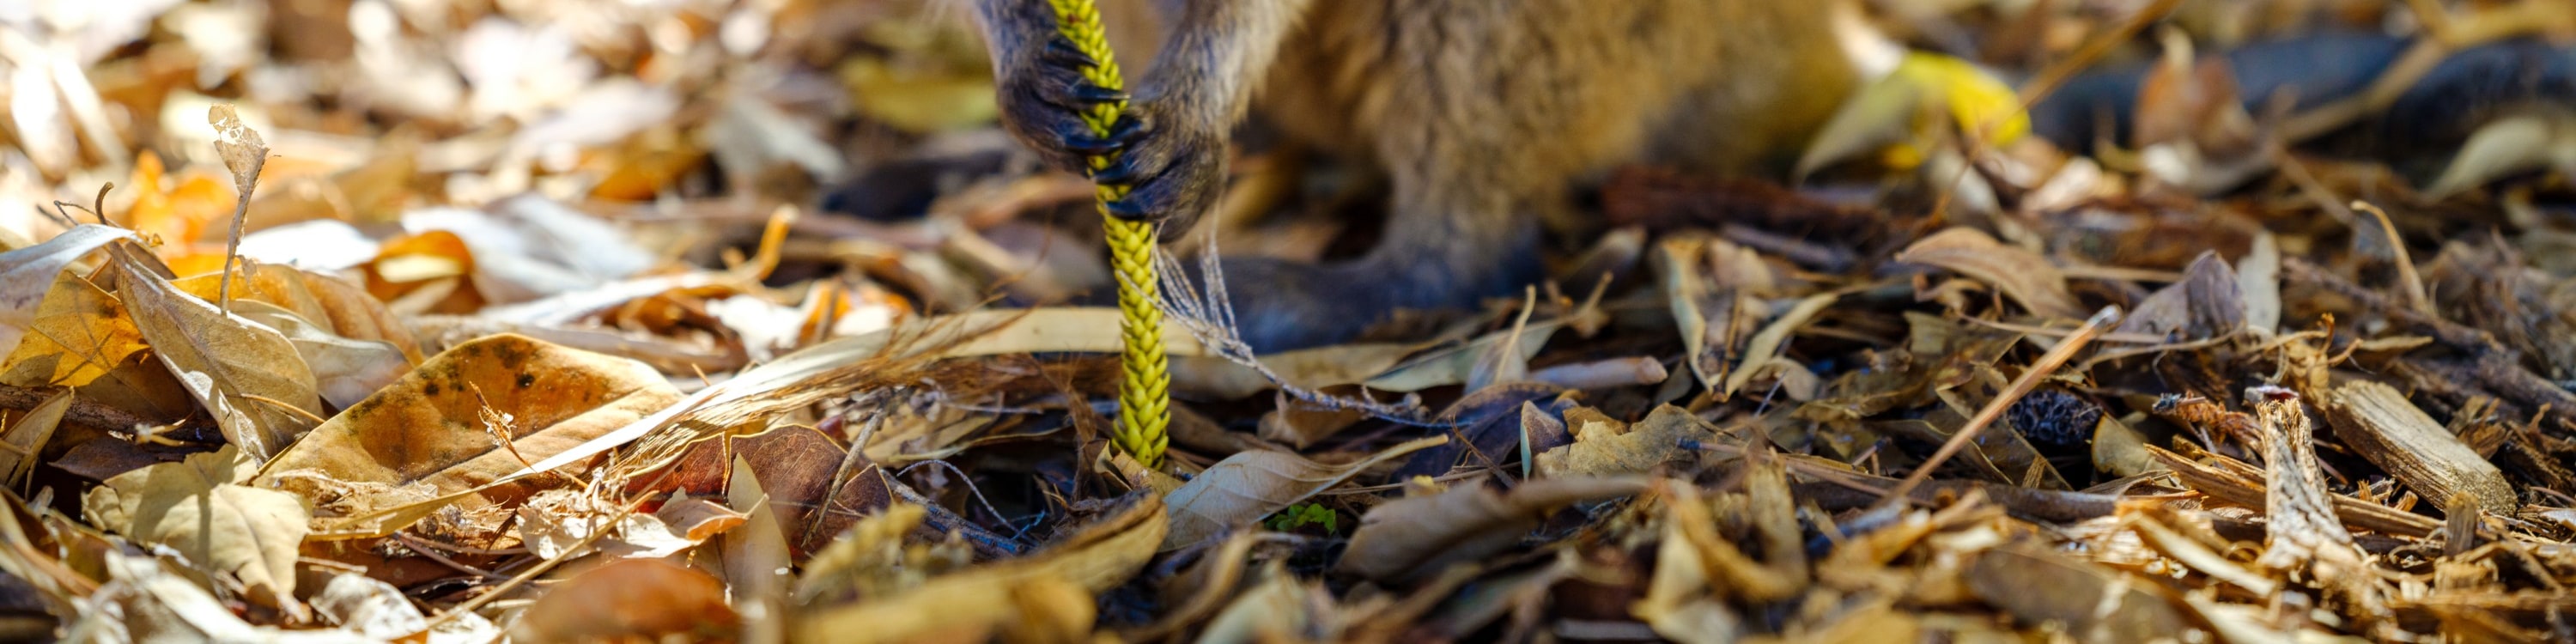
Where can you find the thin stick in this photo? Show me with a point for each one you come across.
(2048, 362)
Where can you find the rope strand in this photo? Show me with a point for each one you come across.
(1144, 397)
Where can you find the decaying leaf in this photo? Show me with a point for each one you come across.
(466, 417)
(1409, 539)
(1254, 484)
(2025, 276)
(202, 509)
(2094, 603)
(1605, 447)
(2208, 302)
(81, 333)
(27, 274)
(26, 436)
(245, 373)
(1101, 556)
(633, 598)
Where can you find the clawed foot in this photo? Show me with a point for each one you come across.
(1173, 164)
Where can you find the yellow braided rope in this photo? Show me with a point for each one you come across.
(1144, 398)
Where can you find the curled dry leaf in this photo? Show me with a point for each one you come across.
(1410, 539)
(437, 425)
(2095, 603)
(27, 274)
(643, 599)
(2023, 275)
(200, 508)
(773, 386)
(1310, 369)
(149, 600)
(1716, 290)
(2208, 302)
(1604, 447)
(338, 306)
(246, 374)
(1254, 484)
(431, 272)
(20, 444)
(1453, 365)
(346, 371)
(81, 333)
(1098, 558)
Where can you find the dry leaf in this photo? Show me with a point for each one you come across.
(80, 334)
(340, 307)
(2510, 145)
(2095, 603)
(2025, 276)
(200, 509)
(1409, 539)
(1604, 447)
(1452, 365)
(1765, 347)
(1716, 291)
(1250, 485)
(1100, 557)
(431, 426)
(246, 374)
(19, 446)
(758, 564)
(149, 600)
(2208, 302)
(27, 274)
(1310, 369)
(346, 370)
(634, 598)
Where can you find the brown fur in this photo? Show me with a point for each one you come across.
(1485, 115)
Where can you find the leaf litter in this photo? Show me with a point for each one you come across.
(464, 321)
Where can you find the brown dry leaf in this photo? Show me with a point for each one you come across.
(27, 274)
(245, 374)
(1453, 365)
(80, 334)
(345, 370)
(200, 509)
(2023, 275)
(1250, 485)
(771, 386)
(19, 446)
(1412, 538)
(2208, 302)
(759, 566)
(241, 147)
(2511, 144)
(341, 307)
(150, 599)
(1716, 291)
(2258, 277)
(1604, 447)
(2095, 603)
(1098, 558)
(429, 427)
(1278, 608)
(1761, 354)
(2121, 450)
(631, 599)
(1678, 604)
(430, 272)
(1299, 425)
(1311, 369)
